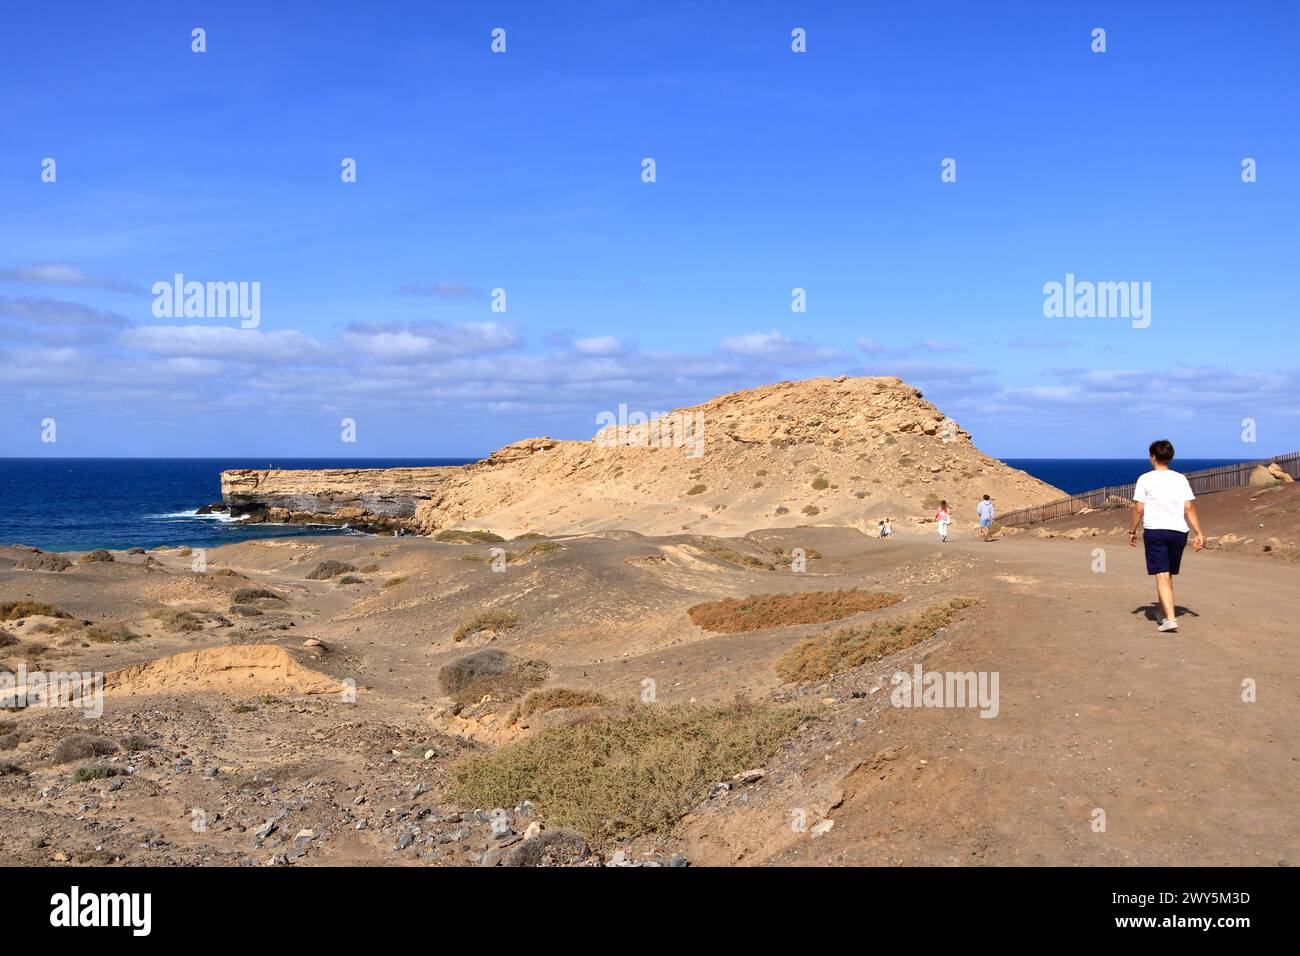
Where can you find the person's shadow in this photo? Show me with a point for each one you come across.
(1152, 611)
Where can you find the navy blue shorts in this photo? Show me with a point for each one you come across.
(1164, 550)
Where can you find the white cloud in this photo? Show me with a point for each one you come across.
(45, 311)
(441, 290)
(427, 341)
(777, 347)
(598, 345)
(64, 274)
(225, 343)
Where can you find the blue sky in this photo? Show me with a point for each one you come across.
(522, 171)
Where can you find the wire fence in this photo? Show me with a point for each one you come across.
(1203, 482)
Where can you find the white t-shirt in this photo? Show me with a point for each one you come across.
(985, 509)
(1163, 493)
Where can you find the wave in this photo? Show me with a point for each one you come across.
(222, 516)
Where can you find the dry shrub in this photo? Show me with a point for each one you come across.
(14, 610)
(630, 773)
(461, 536)
(470, 678)
(849, 647)
(760, 611)
(697, 490)
(175, 621)
(93, 557)
(785, 560)
(393, 582)
(542, 547)
(496, 620)
(739, 558)
(554, 698)
(93, 771)
(107, 634)
(249, 595)
(81, 747)
(328, 569)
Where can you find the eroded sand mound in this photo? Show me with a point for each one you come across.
(824, 451)
(237, 669)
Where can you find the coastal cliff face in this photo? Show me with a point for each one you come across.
(819, 451)
(368, 498)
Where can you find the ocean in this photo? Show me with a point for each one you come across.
(77, 504)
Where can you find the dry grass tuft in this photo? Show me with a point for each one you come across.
(174, 620)
(553, 698)
(107, 634)
(826, 655)
(81, 747)
(634, 772)
(249, 595)
(461, 536)
(329, 569)
(15, 610)
(469, 679)
(760, 611)
(739, 558)
(497, 620)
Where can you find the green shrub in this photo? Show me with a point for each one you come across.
(629, 774)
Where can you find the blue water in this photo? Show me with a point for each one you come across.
(1073, 475)
(76, 504)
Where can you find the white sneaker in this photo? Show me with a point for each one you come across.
(1168, 625)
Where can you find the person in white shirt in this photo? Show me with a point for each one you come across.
(1162, 505)
(986, 512)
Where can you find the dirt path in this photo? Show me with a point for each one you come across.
(1097, 711)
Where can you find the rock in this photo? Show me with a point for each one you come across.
(1261, 477)
(303, 837)
(678, 860)
(532, 830)
(821, 829)
(264, 831)
(829, 419)
(750, 776)
(43, 562)
(405, 840)
(1277, 472)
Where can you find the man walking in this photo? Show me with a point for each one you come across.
(986, 512)
(1162, 505)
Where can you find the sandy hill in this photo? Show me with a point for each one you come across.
(823, 451)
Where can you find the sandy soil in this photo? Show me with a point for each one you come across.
(247, 755)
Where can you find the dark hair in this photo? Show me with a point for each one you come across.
(986, 497)
(1162, 451)
(943, 504)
